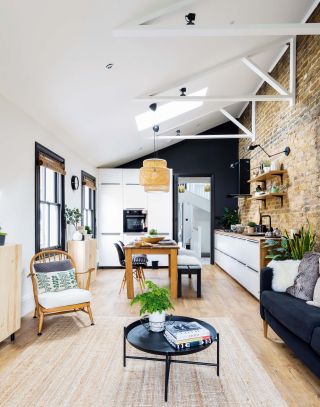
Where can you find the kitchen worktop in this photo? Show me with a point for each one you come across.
(244, 236)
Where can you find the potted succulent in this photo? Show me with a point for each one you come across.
(73, 217)
(251, 227)
(2, 237)
(155, 301)
(266, 165)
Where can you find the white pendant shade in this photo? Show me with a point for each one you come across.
(154, 175)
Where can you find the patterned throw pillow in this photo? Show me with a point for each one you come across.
(56, 281)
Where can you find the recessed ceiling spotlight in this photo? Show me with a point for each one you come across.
(109, 66)
(190, 18)
(178, 132)
(153, 107)
(183, 91)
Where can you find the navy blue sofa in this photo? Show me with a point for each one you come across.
(297, 323)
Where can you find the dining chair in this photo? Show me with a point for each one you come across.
(138, 263)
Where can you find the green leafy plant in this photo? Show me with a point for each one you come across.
(88, 229)
(73, 216)
(266, 163)
(252, 224)
(230, 217)
(155, 299)
(153, 232)
(2, 233)
(291, 248)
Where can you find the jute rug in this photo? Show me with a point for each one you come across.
(73, 364)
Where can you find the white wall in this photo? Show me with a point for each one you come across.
(18, 134)
(202, 218)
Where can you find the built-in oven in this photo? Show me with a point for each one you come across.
(135, 220)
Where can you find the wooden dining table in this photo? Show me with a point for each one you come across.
(171, 250)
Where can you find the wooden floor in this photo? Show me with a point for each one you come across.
(222, 296)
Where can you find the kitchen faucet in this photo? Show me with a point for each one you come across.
(266, 216)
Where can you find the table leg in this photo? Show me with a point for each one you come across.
(173, 274)
(129, 274)
(168, 361)
(218, 355)
(124, 347)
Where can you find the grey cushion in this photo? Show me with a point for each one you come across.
(308, 274)
(62, 265)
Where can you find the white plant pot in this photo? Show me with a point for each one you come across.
(157, 321)
(266, 169)
(77, 235)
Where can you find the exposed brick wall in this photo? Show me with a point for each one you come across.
(278, 125)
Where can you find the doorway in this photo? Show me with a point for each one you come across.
(193, 214)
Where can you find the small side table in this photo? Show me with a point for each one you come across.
(155, 343)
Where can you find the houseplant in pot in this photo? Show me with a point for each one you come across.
(251, 227)
(73, 217)
(89, 232)
(230, 217)
(155, 301)
(2, 237)
(266, 165)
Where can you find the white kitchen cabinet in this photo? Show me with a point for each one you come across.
(131, 237)
(110, 175)
(110, 208)
(131, 176)
(134, 197)
(108, 256)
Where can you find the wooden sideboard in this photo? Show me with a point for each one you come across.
(10, 290)
(84, 253)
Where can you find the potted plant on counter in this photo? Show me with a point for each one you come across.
(230, 217)
(89, 232)
(251, 227)
(266, 165)
(155, 301)
(2, 237)
(73, 217)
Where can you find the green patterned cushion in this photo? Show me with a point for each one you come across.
(56, 281)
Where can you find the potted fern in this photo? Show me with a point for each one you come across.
(2, 237)
(155, 301)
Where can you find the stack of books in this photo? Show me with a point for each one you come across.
(184, 335)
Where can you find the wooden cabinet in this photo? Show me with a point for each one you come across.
(10, 290)
(84, 254)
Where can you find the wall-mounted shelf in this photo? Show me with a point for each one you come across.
(268, 175)
(269, 195)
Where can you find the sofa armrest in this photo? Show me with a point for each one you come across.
(266, 275)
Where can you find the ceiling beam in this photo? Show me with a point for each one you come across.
(224, 99)
(222, 30)
(213, 68)
(236, 122)
(203, 136)
(265, 76)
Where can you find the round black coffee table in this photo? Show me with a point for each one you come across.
(155, 343)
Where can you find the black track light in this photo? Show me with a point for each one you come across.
(153, 107)
(156, 128)
(190, 18)
(183, 91)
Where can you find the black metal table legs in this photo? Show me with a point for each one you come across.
(168, 360)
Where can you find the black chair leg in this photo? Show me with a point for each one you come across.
(199, 284)
(179, 285)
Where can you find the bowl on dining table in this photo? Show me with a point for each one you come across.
(152, 239)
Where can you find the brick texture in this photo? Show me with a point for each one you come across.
(278, 125)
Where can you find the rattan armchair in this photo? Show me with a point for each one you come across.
(64, 301)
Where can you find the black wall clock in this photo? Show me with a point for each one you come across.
(74, 182)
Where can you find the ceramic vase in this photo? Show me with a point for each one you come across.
(157, 321)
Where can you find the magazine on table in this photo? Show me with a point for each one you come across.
(185, 330)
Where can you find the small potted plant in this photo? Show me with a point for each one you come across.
(155, 301)
(73, 217)
(89, 232)
(266, 165)
(2, 237)
(251, 227)
(153, 232)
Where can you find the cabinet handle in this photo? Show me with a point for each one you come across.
(110, 183)
(231, 257)
(131, 183)
(110, 234)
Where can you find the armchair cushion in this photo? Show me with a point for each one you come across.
(63, 298)
(62, 265)
(56, 281)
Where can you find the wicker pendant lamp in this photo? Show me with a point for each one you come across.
(154, 175)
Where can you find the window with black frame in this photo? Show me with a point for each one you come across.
(88, 202)
(49, 188)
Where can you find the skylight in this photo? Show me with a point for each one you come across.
(168, 111)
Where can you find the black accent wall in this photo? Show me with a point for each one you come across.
(195, 157)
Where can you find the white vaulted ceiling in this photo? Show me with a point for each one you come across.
(53, 56)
